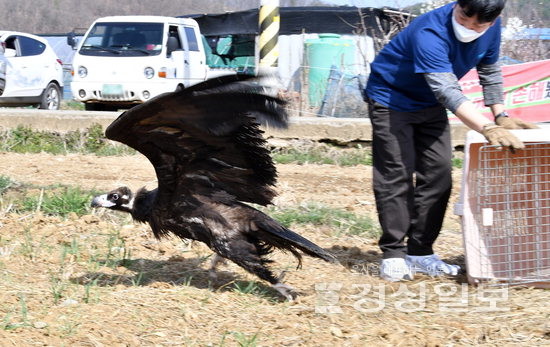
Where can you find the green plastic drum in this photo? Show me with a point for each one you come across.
(323, 53)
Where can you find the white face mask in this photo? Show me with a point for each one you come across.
(464, 34)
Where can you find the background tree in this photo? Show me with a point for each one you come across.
(519, 16)
(522, 38)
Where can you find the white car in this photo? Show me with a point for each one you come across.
(30, 72)
(2, 72)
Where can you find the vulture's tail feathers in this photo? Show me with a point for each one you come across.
(276, 235)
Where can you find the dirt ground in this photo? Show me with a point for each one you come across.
(102, 280)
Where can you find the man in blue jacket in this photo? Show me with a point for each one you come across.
(413, 80)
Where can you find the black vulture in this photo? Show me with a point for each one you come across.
(211, 159)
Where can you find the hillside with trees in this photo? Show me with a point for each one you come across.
(62, 16)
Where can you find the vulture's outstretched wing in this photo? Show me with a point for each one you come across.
(207, 137)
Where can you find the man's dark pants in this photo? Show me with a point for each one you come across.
(412, 177)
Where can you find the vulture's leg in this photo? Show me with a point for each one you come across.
(285, 290)
(216, 260)
(251, 261)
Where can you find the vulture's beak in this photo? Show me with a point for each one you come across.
(101, 201)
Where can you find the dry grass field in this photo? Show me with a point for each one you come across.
(102, 280)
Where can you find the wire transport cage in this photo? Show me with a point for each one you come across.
(505, 209)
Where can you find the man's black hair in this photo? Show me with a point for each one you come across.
(486, 10)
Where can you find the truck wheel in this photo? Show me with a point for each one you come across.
(51, 98)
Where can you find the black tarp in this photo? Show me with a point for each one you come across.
(294, 20)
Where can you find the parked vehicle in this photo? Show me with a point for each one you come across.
(2, 70)
(126, 60)
(30, 72)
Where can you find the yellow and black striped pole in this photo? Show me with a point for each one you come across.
(269, 21)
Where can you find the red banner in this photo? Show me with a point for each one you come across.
(526, 90)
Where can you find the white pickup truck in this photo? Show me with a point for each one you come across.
(126, 60)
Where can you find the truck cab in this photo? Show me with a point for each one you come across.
(126, 60)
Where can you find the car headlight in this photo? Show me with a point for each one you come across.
(149, 72)
(82, 72)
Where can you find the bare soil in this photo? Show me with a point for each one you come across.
(102, 280)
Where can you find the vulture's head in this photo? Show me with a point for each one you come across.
(120, 199)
